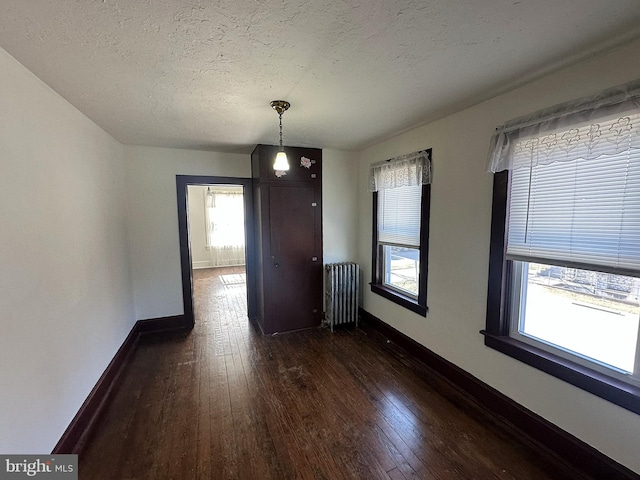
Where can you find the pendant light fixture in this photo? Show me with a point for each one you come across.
(281, 163)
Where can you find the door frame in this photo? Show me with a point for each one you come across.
(182, 184)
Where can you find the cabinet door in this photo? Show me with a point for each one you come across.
(294, 295)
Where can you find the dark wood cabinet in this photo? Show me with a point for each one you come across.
(288, 234)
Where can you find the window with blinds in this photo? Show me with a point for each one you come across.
(399, 237)
(574, 237)
(401, 196)
(565, 270)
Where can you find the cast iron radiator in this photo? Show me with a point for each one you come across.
(342, 285)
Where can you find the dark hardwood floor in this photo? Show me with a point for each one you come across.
(224, 402)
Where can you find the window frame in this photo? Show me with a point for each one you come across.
(417, 305)
(498, 321)
(517, 307)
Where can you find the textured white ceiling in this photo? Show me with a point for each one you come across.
(201, 74)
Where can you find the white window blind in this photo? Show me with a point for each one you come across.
(575, 208)
(399, 215)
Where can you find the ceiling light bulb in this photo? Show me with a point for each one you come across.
(282, 162)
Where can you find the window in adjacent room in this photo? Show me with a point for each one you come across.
(401, 196)
(564, 288)
(224, 225)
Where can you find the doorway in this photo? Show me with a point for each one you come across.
(216, 239)
(217, 245)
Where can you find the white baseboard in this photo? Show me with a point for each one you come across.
(203, 264)
(207, 264)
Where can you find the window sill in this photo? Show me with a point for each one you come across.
(402, 300)
(623, 394)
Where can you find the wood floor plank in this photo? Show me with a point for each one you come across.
(391, 413)
(355, 441)
(396, 474)
(223, 453)
(224, 402)
(385, 448)
(314, 458)
(206, 442)
(348, 401)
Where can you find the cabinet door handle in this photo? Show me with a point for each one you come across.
(276, 265)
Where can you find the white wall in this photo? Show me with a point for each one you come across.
(339, 206)
(153, 219)
(459, 252)
(65, 291)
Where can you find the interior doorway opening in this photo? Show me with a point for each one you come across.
(217, 245)
(216, 240)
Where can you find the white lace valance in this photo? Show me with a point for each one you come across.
(406, 170)
(605, 124)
